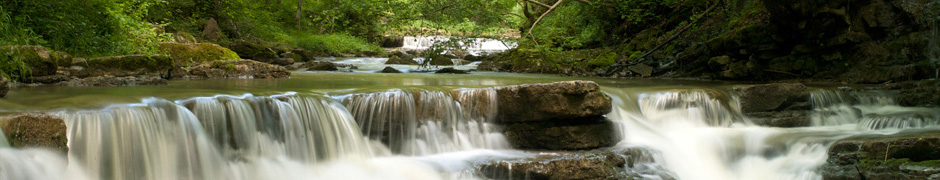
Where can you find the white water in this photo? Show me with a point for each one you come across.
(476, 46)
(421, 134)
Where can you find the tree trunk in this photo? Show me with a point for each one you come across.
(300, 5)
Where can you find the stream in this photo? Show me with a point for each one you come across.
(330, 125)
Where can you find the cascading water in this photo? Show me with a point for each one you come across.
(476, 46)
(429, 122)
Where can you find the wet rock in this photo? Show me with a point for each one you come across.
(41, 61)
(450, 71)
(4, 85)
(393, 41)
(551, 101)
(602, 164)
(112, 81)
(320, 66)
(50, 79)
(918, 93)
(781, 118)
(772, 97)
(241, 69)
(35, 130)
(907, 155)
(187, 54)
(642, 69)
(389, 69)
(282, 61)
(129, 65)
(441, 60)
(398, 57)
(587, 133)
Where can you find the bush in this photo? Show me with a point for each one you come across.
(336, 43)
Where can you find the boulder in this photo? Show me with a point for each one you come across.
(907, 155)
(587, 133)
(441, 60)
(35, 130)
(129, 65)
(41, 61)
(282, 61)
(569, 100)
(195, 53)
(4, 85)
(389, 69)
(393, 41)
(320, 66)
(772, 97)
(602, 164)
(450, 71)
(112, 81)
(212, 32)
(258, 51)
(240, 69)
(398, 57)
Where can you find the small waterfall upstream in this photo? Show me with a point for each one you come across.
(473, 46)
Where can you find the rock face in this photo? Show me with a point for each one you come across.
(776, 105)
(242, 69)
(186, 54)
(552, 101)
(320, 66)
(918, 93)
(35, 130)
(601, 164)
(772, 97)
(589, 133)
(912, 155)
(555, 116)
(389, 69)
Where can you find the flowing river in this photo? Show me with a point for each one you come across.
(330, 125)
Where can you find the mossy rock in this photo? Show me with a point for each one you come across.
(254, 50)
(440, 60)
(128, 65)
(35, 130)
(41, 61)
(186, 54)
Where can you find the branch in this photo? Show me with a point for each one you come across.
(540, 3)
(676, 36)
(543, 16)
(601, 3)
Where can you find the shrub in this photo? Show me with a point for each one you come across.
(336, 43)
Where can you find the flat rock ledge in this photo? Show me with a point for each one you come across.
(776, 104)
(631, 163)
(908, 155)
(556, 116)
(31, 130)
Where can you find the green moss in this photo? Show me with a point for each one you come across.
(603, 60)
(227, 66)
(23, 62)
(185, 54)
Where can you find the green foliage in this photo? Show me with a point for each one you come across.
(336, 43)
(604, 60)
(13, 67)
(185, 54)
(85, 28)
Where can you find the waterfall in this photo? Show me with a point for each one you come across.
(702, 134)
(474, 46)
(429, 122)
(839, 107)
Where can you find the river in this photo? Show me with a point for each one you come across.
(324, 125)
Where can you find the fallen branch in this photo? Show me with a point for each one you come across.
(543, 16)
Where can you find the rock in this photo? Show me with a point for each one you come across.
(255, 50)
(41, 61)
(907, 155)
(183, 37)
(389, 69)
(320, 66)
(393, 41)
(282, 61)
(642, 69)
(212, 32)
(918, 93)
(35, 130)
(586, 133)
(772, 97)
(50, 79)
(781, 119)
(628, 164)
(398, 57)
(294, 56)
(450, 71)
(4, 85)
(129, 65)
(240, 69)
(112, 81)
(441, 60)
(551, 101)
(186, 54)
